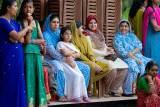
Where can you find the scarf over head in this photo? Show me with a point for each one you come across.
(147, 15)
(49, 35)
(96, 35)
(81, 42)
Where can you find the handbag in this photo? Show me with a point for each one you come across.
(112, 57)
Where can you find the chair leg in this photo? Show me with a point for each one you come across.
(101, 88)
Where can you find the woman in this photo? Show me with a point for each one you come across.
(128, 48)
(35, 91)
(100, 50)
(12, 81)
(136, 17)
(98, 70)
(148, 88)
(151, 28)
(52, 35)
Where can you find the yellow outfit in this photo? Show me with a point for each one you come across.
(137, 24)
(86, 54)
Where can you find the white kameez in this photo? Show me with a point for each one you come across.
(74, 80)
(100, 53)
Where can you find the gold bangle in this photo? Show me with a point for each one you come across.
(150, 83)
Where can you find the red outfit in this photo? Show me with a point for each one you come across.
(149, 100)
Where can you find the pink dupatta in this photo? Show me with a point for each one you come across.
(147, 15)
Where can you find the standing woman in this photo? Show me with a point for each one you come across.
(35, 88)
(97, 41)
(136, 17)
(151, 34)
(11, 58)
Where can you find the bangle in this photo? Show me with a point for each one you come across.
(150, 83)
(32, 41)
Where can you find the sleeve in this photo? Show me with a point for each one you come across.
(46, 37)
(54, 53)
(118, 46)
(151, 13)
(82, 57)
(140, 23)
(143, 85)
(5, 26)
(60, 46)
(97, 52)
(39, 28)
(137, 42)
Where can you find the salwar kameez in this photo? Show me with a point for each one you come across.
(55, 58)
(124, 43)
(86, 56)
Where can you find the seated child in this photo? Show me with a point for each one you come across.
(74, 81)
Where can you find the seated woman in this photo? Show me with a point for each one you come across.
(98, 69)
(128, 48)
(52, 35)
(100, 50)
(148, 88)
(75, 85)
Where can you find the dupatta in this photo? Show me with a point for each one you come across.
(147, 15)
(81, 42)
(49, 35)
(96, 35)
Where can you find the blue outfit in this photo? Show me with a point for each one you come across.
(124, 43)
(12, 83)
(55, 58)
(152, 45)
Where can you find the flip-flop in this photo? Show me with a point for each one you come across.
(114, 94)
(86, 99)
(106, 95)
(77, 100)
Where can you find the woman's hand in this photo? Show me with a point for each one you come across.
(111, 51)
(130, 55)
(70, 60)
(139, 61)
(98, 68)
(149, 78)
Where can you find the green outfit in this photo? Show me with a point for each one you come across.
(137, 23)
(35, 87)
(143, 85)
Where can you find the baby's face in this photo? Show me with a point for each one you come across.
(124, 28)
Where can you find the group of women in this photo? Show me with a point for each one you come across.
(21, 71)
(145, 21)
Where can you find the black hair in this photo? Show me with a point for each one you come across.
(5, 4)
(78, 24)
(53, 16)
(135, 7)
(151, 64)
(21, 14)
(62, 32)
(150, 4)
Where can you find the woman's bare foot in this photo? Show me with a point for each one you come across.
(62, 99)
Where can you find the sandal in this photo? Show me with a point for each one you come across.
(127, 95)
(77, 100)
(89, 94)
(86, 99)
(106, 95)
(115, 94)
